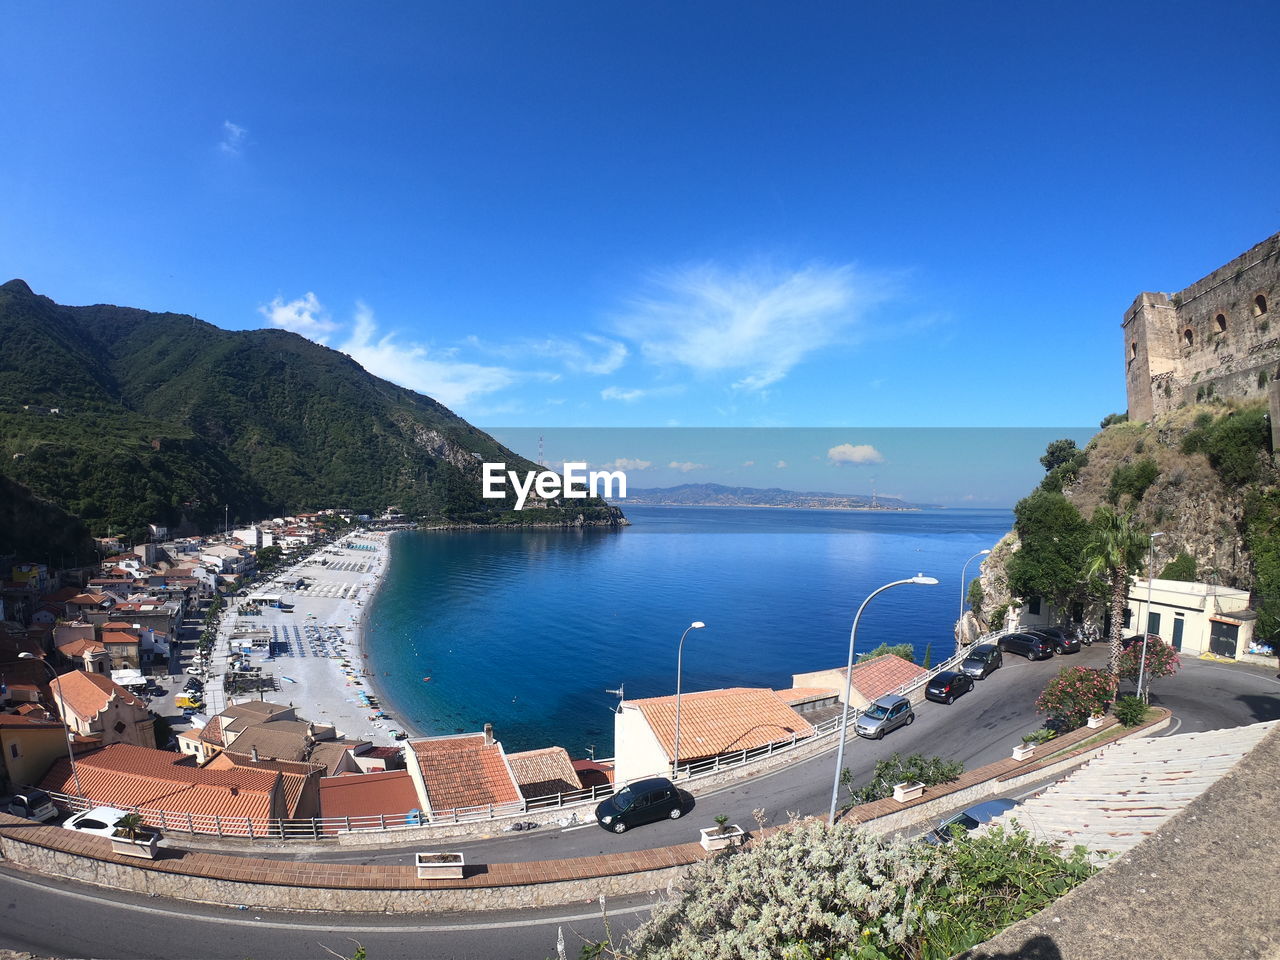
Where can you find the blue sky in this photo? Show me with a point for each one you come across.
(737, 215)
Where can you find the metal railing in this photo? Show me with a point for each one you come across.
(320, 828)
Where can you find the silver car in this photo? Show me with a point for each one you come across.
(884, 716)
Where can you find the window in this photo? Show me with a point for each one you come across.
(1259, 305)
(1033, 606)
(14, 752)
(1133, 350)
(1220, 323)
(1188, 338)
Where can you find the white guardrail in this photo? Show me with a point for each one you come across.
(320, 828)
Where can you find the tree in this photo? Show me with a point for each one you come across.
(1162, 661)
(903, 650)
(1076, 694)
(976, 597)
(928, 655)
(1052, 534)
(1058, 452)
(1116, 546)
(1182, 567)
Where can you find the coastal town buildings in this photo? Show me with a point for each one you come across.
(94, 706)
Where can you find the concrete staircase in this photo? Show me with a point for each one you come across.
(1127, 793)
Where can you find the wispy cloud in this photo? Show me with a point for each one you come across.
(756, 323)
(617, 393)
(233, 138)
(626, 463)
(305, 315)
(781, 465)
(454, 383)
(686, 465)
(859, 454)
(589, 353)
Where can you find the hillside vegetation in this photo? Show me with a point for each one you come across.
(163, 418)
(1204, 475)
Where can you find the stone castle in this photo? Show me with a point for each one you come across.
(1220, 337)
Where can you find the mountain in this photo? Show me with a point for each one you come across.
(125, 418)
(718, 495)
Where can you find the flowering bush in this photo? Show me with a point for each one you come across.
(1162, 661)
(1076, 694)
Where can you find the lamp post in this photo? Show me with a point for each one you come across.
(848, 683)
(964, 577)
(1151, 573)
(25, 655)
(696, 625)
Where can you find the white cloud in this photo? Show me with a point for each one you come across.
(748, 463)
(781, 465)
(757, 323)
(305, 315)
(625, 463)
(588, 354)
(617, 393)
(453, 383)
(233, 138)
(686, 466)
(856, 454)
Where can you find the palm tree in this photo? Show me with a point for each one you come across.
(1117, 547)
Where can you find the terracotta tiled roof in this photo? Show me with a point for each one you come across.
(293, 776)
(119, 637)
(212, 732)
(801, 694)
(330, 752)
(592, 773)
(258, 709)
(86, 694)
(122, 775)
(283, 740)
(884, 674)
(541, 773)
(721, 721)
(27, 722)
(89, 599)
(368, 795)
(78, 648)
(117, 624)
(464, 771)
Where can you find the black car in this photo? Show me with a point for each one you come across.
(641, 802)
(1062, 642)
(982, 661)
(946, 686)
(1128, 642)
(1028, 645)
(193, 684)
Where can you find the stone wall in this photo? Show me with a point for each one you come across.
(1220, 333)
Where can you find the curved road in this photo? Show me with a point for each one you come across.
(977, 729)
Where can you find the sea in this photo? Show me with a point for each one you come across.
(541, 631)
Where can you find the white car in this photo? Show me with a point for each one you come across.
(100, 821)
(195, 671)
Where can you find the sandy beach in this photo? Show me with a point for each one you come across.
(319, 662)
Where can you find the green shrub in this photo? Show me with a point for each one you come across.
(1133, 479)
(917, 768)
(1232, 443)
(976, 597)
(1112, 418)
(1182, 567)
(1130, 711)
(903, 650)
(1043, 735)
(1076, 694)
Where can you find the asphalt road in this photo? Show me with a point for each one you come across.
(979, 728)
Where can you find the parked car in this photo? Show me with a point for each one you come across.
(644, 801)
(884, 716)
(195, 671)
(1028, 645)
(947, 685)
(100, 821)
(970, 819)
(983, 660)
(34, 805)
(1128, 642)
(1062, 641)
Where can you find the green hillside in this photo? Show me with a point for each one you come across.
(163, 418)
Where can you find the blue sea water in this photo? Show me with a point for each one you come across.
(527, 629)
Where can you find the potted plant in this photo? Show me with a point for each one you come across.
(132, 838)
(1095, 721)
(1024, 751)
(722, 835)
(439, 866)
(902, 792)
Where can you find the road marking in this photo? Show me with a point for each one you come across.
(240, 919)
(1236, 672)
(581, 826)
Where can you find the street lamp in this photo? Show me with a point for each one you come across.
(25, 655)
(1151, 574)
(848, 683)
(696, 625)
(964, 576)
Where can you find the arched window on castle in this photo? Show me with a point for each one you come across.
(1259, 305)
(1133, 350)
(1220, 323)
(1188, 338)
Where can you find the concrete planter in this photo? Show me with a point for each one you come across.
(1093, 723)
(144, 847)
(902, 792)
(720, 838)
(439, 866)
(1024, 751)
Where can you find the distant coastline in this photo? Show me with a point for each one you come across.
(630, 501)
(719, 495)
